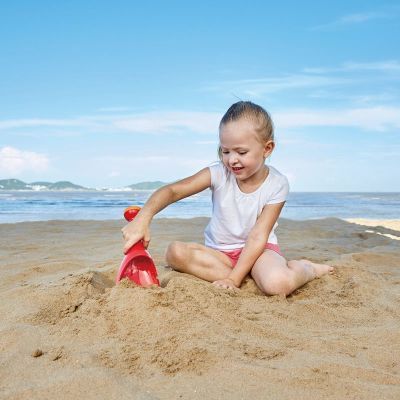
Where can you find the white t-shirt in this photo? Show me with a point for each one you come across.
(234, 212)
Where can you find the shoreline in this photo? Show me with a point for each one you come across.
(389, 223)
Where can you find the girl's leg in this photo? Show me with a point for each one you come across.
(198, 260)
(273, 275)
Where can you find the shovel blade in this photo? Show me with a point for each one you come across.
(139, 269)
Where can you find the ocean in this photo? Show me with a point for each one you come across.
(16, 206)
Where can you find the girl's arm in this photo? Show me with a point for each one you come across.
(255, 244)
(139, 228)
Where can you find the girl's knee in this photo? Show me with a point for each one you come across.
(292, 263)
(279, 284)
(176, 251)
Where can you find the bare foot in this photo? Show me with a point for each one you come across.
(320, 269)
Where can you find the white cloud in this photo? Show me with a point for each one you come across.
(123, 160)
(148, 122)
(360, 100)
(168, 122)
(382, 66)
(38, 122)
(156, 160)
(369, 118)
(14, 161)
(149, 167)
(262, 86)
(114, 109)
(113, 174)
(378, 118)
(317, 78)
(388, 65)
(357, 18)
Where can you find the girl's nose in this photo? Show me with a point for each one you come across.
(232, 159)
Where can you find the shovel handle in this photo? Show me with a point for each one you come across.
(131, 212)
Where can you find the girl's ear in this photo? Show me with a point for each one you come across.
(268, 148)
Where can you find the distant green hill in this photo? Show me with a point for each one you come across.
(65, 185)
(12, 184)
(147, 185)
(46, 184)
(16, 184)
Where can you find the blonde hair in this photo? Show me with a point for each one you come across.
(263, 124)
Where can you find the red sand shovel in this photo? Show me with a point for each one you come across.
(137, 265)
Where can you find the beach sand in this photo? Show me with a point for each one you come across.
(67, 332)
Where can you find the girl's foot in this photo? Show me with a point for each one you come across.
(320, 269)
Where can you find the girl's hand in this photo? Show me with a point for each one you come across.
(225, 284)
(133, 232)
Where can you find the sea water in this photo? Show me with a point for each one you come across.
(18, 206)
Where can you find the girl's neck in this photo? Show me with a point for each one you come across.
(252, 183)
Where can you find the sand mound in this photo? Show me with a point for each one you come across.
(189, 326)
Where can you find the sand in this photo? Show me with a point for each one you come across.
(67, 332)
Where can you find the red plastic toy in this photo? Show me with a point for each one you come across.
(137, 265)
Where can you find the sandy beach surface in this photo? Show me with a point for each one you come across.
(67, 332)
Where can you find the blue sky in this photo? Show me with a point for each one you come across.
(109, 93)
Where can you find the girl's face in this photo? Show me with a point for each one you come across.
(243, 153)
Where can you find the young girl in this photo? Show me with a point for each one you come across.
(247, 199)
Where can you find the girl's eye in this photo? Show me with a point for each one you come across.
(242, 153)
(225, 152)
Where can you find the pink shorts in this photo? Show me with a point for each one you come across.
(235, 254)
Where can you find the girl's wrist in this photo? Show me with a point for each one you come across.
(235, 281)
(145, 216)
